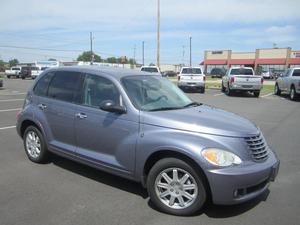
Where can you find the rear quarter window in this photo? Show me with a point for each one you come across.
(42, 85)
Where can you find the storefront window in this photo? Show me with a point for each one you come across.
(293, 66)
(275, 69)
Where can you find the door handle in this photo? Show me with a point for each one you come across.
(81, 115)
(42, 106)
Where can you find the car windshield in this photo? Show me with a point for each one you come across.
(191, 71)
(150, 69)
(296, 73)
(241, 71)
(15, 68)
(150, 93)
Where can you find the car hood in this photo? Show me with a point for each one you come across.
(202, 119)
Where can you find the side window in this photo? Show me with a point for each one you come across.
(296, 73)
(65, 86)
(98, 89)
(41, 87)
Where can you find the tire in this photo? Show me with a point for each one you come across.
(228, 91)
(8, 76)
(256, 94)
(223, 88)
(182, 206)
(202, 90)
(18, 76)
(293, 94)
(277, 90)
(23, 78)
(34, 145)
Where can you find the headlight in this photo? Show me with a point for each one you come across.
(220, 157)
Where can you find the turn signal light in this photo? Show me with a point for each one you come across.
(231, 79)
(204, 78)
(262, 80)
(178, 78)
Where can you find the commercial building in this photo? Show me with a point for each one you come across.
(274, 60)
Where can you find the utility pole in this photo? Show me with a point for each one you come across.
(158, 33)
(190, 51)
(143, 52)
(91, 40)
(183, 52)
(134, 49)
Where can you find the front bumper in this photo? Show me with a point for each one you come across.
(242, 183)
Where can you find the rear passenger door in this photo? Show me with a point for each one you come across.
(59, 110)
(103, 138)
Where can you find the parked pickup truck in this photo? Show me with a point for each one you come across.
(13, 72)
(191, 78)
(289, 82)
(242, 79)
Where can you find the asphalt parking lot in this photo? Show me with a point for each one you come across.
(64, 192)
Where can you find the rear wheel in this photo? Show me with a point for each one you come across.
(293, 94)
(256, 94)
(223, 88)
(34, 145)
(277, 90)
(175, 187)
(228, 91)
(8, 76)
(202, 90)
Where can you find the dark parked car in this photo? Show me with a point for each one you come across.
(25, 72)
(169, 73)
(217, 72)
(144, 128)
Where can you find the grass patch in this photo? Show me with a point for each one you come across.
(267, 89)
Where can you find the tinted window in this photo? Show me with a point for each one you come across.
(296, 73)
(150, 69)
(98, 89)
(65, 86)
(41, 87)
(191, 71)
(241, 71)
(15, 68)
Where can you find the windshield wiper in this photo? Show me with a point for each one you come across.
(164, 108)
(193, 104)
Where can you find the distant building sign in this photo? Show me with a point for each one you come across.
(217, 52)
(297, 54)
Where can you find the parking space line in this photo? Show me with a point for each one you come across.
(9, 110)
(219, 94)
(267, 95)
(22, 93)
(12, 100)
(5, 128)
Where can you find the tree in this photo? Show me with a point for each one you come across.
(112, 60)
(2, 63)
(87, 56)
(151, 64)
(13, 62)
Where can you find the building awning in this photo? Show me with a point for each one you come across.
(215, 62)
(241, 61)
(294, 61)
(271, 61)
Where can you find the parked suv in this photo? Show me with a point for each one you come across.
(144, 128)
(151, 69)
(192, 78)
(289, 82)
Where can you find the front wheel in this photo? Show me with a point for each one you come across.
(223, 87)
(277, 91)
(228, 91)
(202, 90)
(175, 187)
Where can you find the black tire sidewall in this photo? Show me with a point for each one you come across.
(44, 152)
(169, 163)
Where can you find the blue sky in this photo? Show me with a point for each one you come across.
(119, 26)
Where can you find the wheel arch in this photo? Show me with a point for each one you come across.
(161, 154)
(27, 123)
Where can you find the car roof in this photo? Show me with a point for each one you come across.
(239, 67)
(100, 70)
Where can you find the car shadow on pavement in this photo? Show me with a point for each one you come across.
(211, 210)
(100, 176)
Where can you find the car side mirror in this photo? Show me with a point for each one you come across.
(110, 106)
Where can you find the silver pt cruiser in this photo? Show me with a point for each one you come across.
(144, 128)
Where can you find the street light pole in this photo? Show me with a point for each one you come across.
(158, 33)
(190, 51)
(143, 52)
(92, 54)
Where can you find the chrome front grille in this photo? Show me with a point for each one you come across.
(257, 147)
